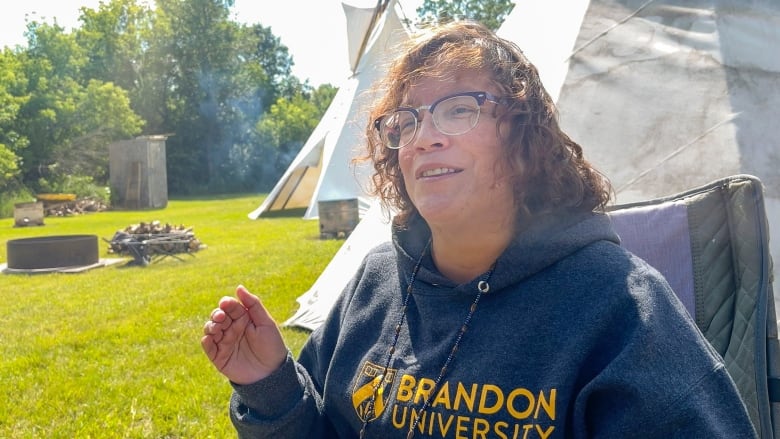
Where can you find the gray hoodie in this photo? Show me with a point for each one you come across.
(576, 338)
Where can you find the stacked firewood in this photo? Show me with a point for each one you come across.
(75, 207)
(147, 241)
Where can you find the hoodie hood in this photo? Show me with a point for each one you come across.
(547, 241)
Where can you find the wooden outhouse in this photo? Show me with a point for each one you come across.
(137, 173)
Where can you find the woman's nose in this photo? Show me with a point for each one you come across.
(427, 133)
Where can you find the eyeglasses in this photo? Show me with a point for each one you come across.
(452, 115)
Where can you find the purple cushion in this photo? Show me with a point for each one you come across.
(659, 234)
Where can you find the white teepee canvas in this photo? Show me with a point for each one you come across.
(322, 170)
(663, 95)
(667, 95)
(372, 230)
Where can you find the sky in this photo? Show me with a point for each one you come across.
(314, 31)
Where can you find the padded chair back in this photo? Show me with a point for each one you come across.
(712, 245)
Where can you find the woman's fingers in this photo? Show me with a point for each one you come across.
(257, 312)
(242, 340)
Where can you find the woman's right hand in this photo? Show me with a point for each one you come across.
(242, 340)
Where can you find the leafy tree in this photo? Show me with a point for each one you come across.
(223, 77)
(196, 75)
(13, 86)
(194, 39)
(491, 13)
(284, 129)
(322, 98)
(51, 62)
(101, 115)
(68, 119)
(114, 38)
(118, 38)
(288, 123)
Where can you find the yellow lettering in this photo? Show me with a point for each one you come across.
(548, 406)
(481, 428)
(423, 390)
(399, 423)
(421, 424)
(513, 410)
(487, 399)
(498, 426)
(443, 396)
(499, 399)
(405, 388)
(445, 427)
(461, 428)
(544, 434)
(464, 395)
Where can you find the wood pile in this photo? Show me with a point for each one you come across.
(75, 207)
(146, 242)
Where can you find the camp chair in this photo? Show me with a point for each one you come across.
(712, 245)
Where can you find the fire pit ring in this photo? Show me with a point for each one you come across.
(52, 252)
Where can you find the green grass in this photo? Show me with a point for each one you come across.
(114, 352)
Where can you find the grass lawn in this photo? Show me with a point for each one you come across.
(114, 352)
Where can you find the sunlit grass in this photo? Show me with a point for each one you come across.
(114, 352)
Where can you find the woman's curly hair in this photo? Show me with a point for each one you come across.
(546, 168)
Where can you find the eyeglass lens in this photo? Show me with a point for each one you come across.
(452, 116)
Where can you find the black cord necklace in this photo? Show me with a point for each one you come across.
(482, 288)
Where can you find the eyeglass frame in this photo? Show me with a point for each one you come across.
(480, 96)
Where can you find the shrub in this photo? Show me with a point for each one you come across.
(9, 198)
(83, 186)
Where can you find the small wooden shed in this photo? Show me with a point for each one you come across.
(137, 173)
(338, 218)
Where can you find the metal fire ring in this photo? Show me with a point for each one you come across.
(52, 252)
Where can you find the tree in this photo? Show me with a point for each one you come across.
(114, 37)
(322, 98)
(284, 129)
(223, 76)
(13, 87)
(194, 74)
(52, 64)
(117, 38)
(288, 123)
(491, 13)
(101, 115)
(68, 119)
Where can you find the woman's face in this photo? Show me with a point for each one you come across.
(456, 180)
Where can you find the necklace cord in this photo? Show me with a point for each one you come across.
(482, 288)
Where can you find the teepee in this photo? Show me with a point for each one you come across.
(322, 170)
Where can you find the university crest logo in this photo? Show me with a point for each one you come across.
(370, 385)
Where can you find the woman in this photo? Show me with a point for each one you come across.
(503, 308)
